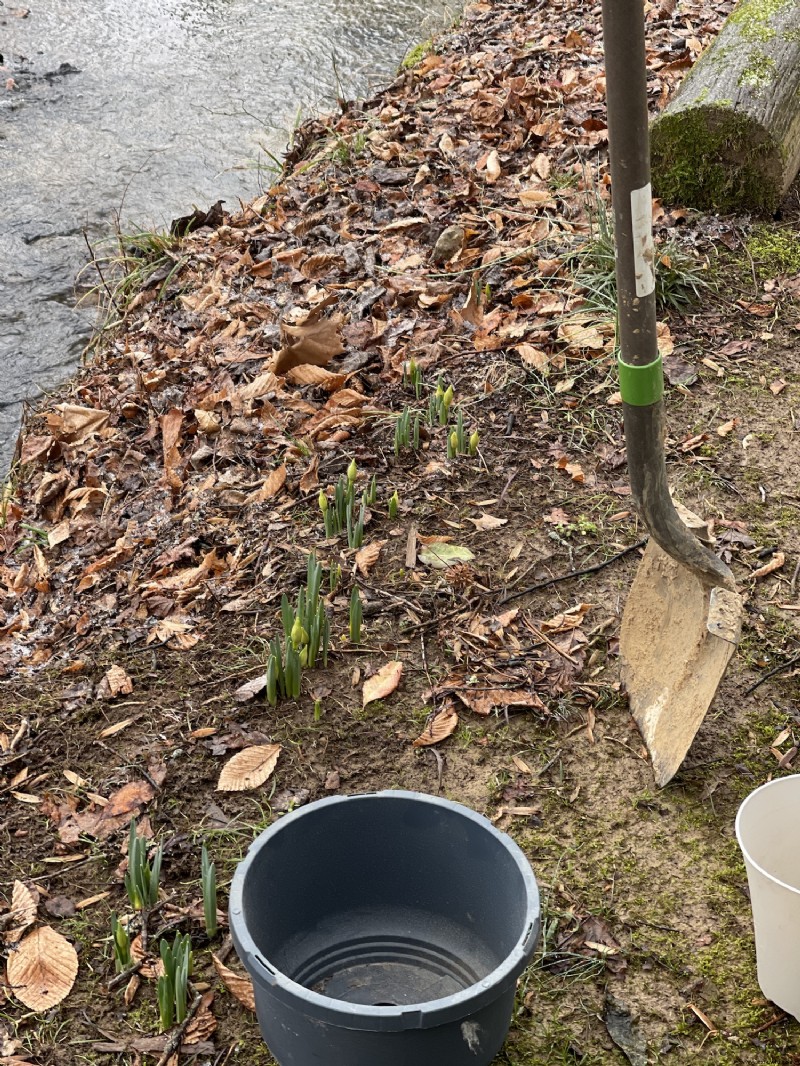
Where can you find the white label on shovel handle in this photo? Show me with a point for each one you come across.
(643, 249)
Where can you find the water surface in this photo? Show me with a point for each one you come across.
(142, 108)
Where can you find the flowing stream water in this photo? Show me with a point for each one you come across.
(142, 108)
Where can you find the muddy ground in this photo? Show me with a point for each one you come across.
(147, 547)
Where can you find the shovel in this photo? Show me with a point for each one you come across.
(682, 619)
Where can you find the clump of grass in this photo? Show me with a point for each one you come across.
(138, 260)
(679, 278)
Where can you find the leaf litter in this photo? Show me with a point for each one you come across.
(170, 495)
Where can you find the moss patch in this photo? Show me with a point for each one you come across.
(775, 251)
(714, 157)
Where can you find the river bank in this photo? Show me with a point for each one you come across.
(446, 234)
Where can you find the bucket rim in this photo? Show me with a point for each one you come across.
(794, 889)
(424, 1014)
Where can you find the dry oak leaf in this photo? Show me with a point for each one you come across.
(240, 987)
(248, 768)
(42, 971)
(443, 725)
(383, 683)
(367, 556)
(115, 682)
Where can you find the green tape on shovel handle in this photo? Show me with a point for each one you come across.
(641, 386)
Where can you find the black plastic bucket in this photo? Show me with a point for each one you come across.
(384, 930)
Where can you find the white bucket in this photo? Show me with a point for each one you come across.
(768, 831)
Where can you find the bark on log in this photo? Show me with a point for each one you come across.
(730, 138)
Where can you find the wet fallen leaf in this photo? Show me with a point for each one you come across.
(248, 768)
(42, 971)
(240, 987)
(775, 563)
(623, 1028)
(383, 683)
(115, 682)
(440, 556)
(443, 725)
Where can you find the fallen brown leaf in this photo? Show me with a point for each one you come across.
(76, 424)
(115, 682)
(248, 768)
(484, 701)
(240, 987)
(42, 970)
(443, 725)
(24, 905)
(367, 556)
(487, 522)
(383, 683)
(315, 341)
(171, 424)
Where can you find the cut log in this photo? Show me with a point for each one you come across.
(730, 138)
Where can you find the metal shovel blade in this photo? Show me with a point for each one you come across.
(676, 640)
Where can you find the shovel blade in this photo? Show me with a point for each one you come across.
(676, 640)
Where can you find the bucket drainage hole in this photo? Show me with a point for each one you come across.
(386, 971)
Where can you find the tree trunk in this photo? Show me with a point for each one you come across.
(730, 138)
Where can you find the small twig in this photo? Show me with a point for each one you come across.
(175, 1041)
(96, 265)
(573, 573)
(20, 733)
(126, 975)
(551, 644)
(771, 673)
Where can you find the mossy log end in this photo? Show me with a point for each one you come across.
(730, 138)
